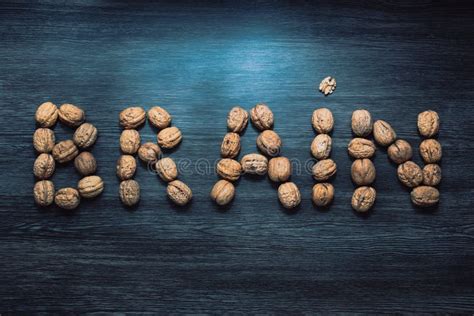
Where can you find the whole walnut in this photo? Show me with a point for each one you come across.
(289, 195)
(322, 121)
(44, 166)
(67, 198)
(130, 141)
(323, 194)
(179, 192)
(44, 193)
(363, 172)
(126, 167)
(360, 148)
(223, 192)
(383, 133)
(90, 187)
(230, 146)
(269, 143)
(159, 117)
(85, 163)
(430, 150)
(363, 199)
(229, 169)
(149, 152)
(279, 169)
(46, 114)
(428, 123)
(410, 174)
(132, 117)
(361, 123)
(324, 169)
(237, 120)
(400, 151)
(254, 164)
(43, 140)
(129, 192)
(321, 146)
(166, 169)
(85, 135)
(65, 151)
(262, 117)
(431, 174)
(425, 196)
(71, 115)
(169, 137)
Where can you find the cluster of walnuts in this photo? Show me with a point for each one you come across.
(50, 152)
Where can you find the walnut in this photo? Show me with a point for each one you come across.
(361, 148)
(327, 85)
(229, 169)
(431, 174)
(149, 152)
(254, 164)
(269, 143)
(129, 192)
(363, 199)
(65, 151)
(321, 146)
(85, 135)
(130, 141)
(44, 166)
(67, 198)
(324, 169)
(43, 140)
(425, 196)
(363, 172)
(230, 146)
(323, 194)
(44, 192)
(322, 121)
(237, 119)
(166, 169)
(132, 117)
(179, 192)
(71, 115)
(46, 114)
(90, 187)
(169, 137)
(400, 151)
(85, 163)
(289, 195)
(159, 117)
(410, 174)
(428, 123)
(361, 123)
(126, 167)
(430, 150)
(383, 133)
(262, 117)
(279, 169)
(223, 192)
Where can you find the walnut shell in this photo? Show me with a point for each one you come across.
(363, 172)
(262, 117)
(129, 192)
(424, 196)
(44, 193)
(327, 85)
(322, 121)
(430, 150)
(428, 123)
(46, 114)
(43, 140)
(383, 133)
(126, 167)
(237, 120)
(229, 169)
(279, 169)
(132, 117)
(85, 163)
(321, 146)
(324, 169)
(44, 166)
(166, 169)
(159, 117)
(400, 151)
(179, 192)
(289, 195)
(130, 141)
(169, 137)
(361, 148)
(363, 199)
(323, 194)
(254, 164)
(65, 151)
(71, 115)
(85, 135)
(431, 174)
(230, 146)
(90, 187)
(67, 198)
(269, 143)
(410, 174)
(361, 123)
(149, 152)
(223, 192)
